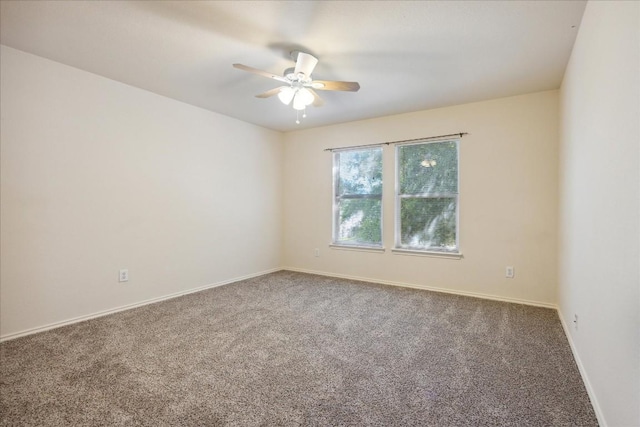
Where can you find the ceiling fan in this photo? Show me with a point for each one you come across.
(300, 88)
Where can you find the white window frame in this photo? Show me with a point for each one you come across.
(335, 229)
(398, 247)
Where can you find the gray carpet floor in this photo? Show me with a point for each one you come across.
(297, 349)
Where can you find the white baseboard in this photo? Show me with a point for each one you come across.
(129, 306)
(428, 288)
(583, 372)
(237, 279)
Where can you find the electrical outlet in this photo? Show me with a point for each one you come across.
(575, 321)
(317, 252)
(509, 273)
(123, 276)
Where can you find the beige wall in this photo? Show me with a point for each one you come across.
(599, 210)
(508, 199)
(98, 176)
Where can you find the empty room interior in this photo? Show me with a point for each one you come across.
(320, 213)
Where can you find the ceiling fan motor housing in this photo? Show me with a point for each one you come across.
(290, 74)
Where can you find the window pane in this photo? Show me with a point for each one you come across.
(359, 222)
(428, 168)
(428, 223)
(359, 172)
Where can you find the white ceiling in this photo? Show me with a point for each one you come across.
(406, 55)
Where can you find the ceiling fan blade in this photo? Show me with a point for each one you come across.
(317, 101)
(271, 92)
(260, 72)
(305, 63)
(331, 85)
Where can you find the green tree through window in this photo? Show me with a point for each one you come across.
(427, 197)
(357, 204)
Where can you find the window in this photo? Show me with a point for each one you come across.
(427, 196)
(357, 201)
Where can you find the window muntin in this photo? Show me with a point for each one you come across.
(427, 196)
(357, 201)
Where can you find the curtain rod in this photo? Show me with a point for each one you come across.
(459, 134)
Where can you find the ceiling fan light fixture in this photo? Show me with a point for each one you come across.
(428, 163)
(305, 96)
(298, 102)
(286, 94)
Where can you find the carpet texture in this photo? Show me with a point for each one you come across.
(297, 349)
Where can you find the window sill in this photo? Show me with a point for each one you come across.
(433, 254)
(357, 248)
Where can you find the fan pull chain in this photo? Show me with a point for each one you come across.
(304, 115)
